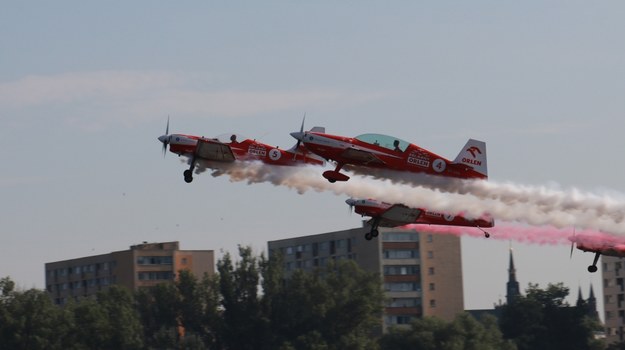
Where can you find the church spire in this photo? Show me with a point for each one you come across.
(592, 305)
(512, 287)
(580, 299)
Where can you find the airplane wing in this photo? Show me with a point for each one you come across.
(213, 150)
(361, 156)
(399, 215)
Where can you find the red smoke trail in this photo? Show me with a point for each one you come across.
(526, 234)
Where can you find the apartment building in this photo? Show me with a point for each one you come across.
(143, 265)
(613, 274)
(422, 273)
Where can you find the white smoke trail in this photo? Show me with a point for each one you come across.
(544, 197)
(537, 206)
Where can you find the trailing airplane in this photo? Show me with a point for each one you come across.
(382, 151)
(392, 215)
(228, 148)
(606, 245)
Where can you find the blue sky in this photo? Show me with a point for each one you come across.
(86, 88)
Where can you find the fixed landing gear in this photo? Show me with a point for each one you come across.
(188, 176)
(374, 230)
(370, 235)
(593, 268)
(486, 234)
(335, 175)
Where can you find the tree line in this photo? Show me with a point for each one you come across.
(250, 304)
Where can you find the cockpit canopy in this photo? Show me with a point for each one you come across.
(390, 142)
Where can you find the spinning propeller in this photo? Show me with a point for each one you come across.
(165, 138)
(299, 139)
(351, 202)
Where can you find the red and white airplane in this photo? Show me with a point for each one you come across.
(392, 215)
(382, 151)
(606, 245)
(228, 148)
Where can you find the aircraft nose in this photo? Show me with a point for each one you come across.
(162, 138)
(298, 135)
(350, 201)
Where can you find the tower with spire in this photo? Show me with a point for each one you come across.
(589, 305)
(512, 287)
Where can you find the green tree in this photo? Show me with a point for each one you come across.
(181, 313)
(431, 333)
(29, 319)
(543, 320)
(338, 307)
(109, 321)
(243, 326)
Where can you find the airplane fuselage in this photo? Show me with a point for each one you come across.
(245, 150)
(352, 151)
(374, 209)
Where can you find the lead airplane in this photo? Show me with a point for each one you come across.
(392, 215)
(606, 245)
(228, 148)
(387, 152)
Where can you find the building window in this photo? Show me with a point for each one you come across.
(430, 254)
(154, 260)
(430, 271)
(432, 303)
(324, 246)
(404, 302)
(341, 244)
(401, 286)
(398, 319)
(430, 238)
(432, 286)
(150, 276)
(400, 237)
(390, 270)
(401, 253)
(289, 250)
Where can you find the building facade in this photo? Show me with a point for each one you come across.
(422, 273)
(143, 265)
(613, 276)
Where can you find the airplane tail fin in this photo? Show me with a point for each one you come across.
(473, 154)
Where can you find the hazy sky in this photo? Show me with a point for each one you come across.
(86, 88)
